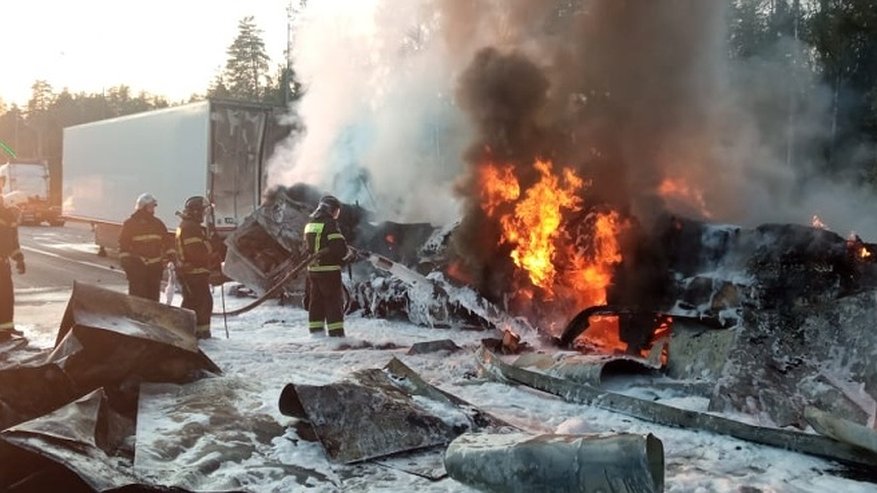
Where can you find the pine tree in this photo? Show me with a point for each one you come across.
(246, 71)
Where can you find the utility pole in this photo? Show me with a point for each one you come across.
(288, 71)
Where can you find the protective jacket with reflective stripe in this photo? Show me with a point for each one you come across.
(146, 237)
(9, 247)
(194, 250)
(321, 232)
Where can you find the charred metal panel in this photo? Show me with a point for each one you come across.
(267, 243)
(522, 463)
(433, 346)
(367, 416)
(594, 369)
(698, 352)
(723, 268)
(842, 429)
(31, 389)
(374, 413)
(659, 413)
(71, 438)
(108, 339)
(784, 360)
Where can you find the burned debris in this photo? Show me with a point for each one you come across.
(69, 412)
(377, 413)
(513, 462)
(769, 321)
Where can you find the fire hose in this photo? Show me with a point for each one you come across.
(290, 274)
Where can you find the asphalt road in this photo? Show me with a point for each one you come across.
(55, 257)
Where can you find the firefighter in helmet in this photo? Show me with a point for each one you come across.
(144, 249)
(325, 291)
(196, 258)
(9, 250)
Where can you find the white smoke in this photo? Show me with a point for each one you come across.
(383, 127)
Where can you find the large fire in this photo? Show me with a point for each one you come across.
(532, 223)
(532, 226)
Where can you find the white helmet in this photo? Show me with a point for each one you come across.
(143, 200)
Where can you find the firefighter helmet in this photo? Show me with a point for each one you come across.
(195, 205)
(331, 202)
(143, 200)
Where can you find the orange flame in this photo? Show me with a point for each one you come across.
(681, 191)
(531, 222)
(856, 244)
(590, 276)
(499, 185)
(533, 227)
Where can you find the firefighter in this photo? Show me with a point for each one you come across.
(325, 292)
(9, 250)
(144, 249)
(196, 257)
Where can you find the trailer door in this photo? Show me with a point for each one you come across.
(237, 133)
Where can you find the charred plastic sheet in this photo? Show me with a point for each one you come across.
(375, 413)
(522, 463)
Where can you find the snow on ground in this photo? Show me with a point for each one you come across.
(269, 347)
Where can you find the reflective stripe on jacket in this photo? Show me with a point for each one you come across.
(193, 248)
(322, 232)
(146, 237)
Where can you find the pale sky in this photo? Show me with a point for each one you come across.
(171, 48)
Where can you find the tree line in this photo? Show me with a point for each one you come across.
(828, 55)
(35, 130)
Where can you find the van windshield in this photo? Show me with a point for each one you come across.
(31, 179)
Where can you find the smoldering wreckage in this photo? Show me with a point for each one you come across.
(773, 322)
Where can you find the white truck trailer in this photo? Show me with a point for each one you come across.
(212, 148)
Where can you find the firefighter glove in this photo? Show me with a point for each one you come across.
(19, 266)
(350, 257)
